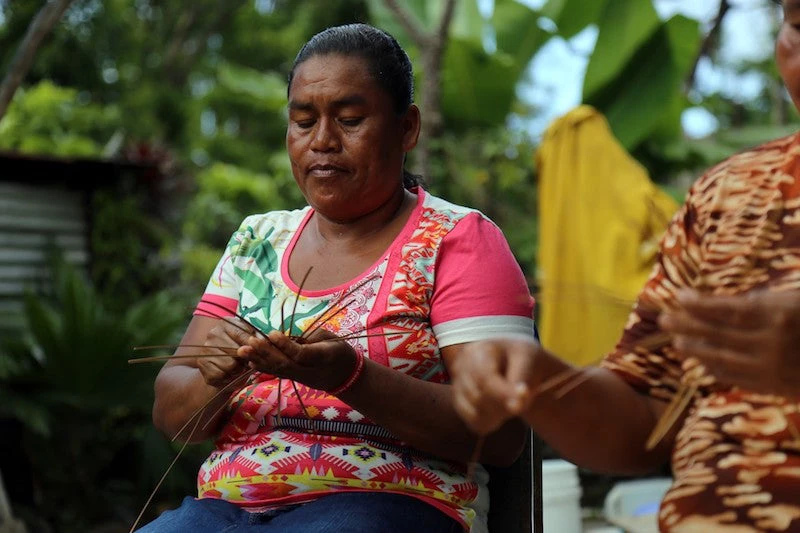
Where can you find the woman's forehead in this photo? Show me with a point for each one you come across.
(327, 72)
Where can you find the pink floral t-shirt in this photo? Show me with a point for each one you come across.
(448, 278)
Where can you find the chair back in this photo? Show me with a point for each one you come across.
(515, 492)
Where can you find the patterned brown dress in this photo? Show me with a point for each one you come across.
(735, 462)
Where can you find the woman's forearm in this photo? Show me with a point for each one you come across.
(180, 392)
(421, 414)
(602, 424)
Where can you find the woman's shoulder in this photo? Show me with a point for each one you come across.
(261, 225)
(754, 162)
(433, 206)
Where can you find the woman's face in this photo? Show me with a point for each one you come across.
(345, 140)
(787, 49)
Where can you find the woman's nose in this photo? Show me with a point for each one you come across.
(325, 138)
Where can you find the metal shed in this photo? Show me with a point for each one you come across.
(46, 201)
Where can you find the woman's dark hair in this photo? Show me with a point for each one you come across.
(388, 64)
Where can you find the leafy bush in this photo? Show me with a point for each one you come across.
(128, 248)
(48, 119)
(84, 412)
(492, 170)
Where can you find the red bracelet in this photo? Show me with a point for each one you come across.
(349, 382)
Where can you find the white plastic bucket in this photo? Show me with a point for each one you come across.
(633, 505)
(561, 497)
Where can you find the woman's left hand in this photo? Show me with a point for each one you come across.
(322, 362)
(750, 340)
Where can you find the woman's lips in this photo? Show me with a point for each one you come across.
(325, 171)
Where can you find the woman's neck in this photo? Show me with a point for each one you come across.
(390, 213)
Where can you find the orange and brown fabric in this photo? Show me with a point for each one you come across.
(736, 464)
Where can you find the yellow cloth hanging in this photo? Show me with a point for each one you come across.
(600, 220)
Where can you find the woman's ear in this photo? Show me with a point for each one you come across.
(411, 127)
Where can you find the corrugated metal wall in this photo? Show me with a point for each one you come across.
(31, 219)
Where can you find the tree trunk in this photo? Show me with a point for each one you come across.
(431, 47)
(42, 24)
(709, 43)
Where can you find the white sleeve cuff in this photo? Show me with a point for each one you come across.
(481, 328)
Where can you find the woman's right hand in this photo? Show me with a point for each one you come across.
(224, 338)
(492, 382)
(323, 361)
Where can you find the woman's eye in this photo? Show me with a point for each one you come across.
(304, 124)
(355, 121)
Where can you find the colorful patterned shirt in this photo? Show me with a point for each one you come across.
(736, 464)
(448, 278)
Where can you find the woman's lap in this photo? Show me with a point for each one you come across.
(353, 512)
(196, 515)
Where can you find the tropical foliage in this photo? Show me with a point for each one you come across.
(83, 412)
(201, 87)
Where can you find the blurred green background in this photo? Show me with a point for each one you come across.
(195, 94)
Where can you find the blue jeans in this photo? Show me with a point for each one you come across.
(344, 512)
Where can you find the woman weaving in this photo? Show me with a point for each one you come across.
(724, 306)
(357, 434)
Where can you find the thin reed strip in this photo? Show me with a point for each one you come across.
(167, 357)
(252, 331)
(655, 341)
(176, 346)
(349, 292)
(313, 427)
(283, 317)
(558, 380)
(200, 410)
(475, 457)
(672, 413)
(328, 316)
(163, 477)
(297, 300)
(223, 308)
(278, 418)
(572, 384)
(243, 378)
(358, 335)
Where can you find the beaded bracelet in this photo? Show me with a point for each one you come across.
(349, 382)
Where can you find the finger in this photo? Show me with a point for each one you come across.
(239, 331)
(479, 419)
(519, 372)
(280, 342)
(520, 360)
(746, 311)
(497, 389)
(727, 366)
(723, 336)
(255, 344)
(263, 355)
(319, 335)
(470, 415)
(467, 386)
(220, 371)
